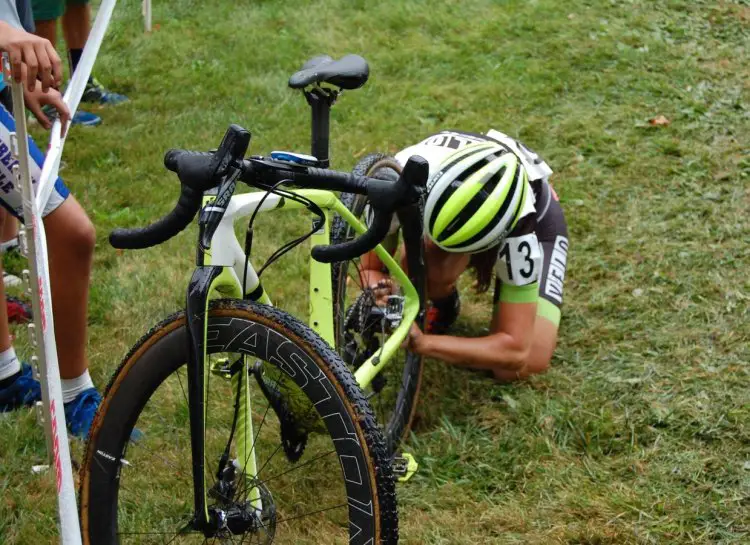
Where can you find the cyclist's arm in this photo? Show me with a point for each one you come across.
(372, 270)
(507, 346)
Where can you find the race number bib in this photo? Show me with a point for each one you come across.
(519, 260)
(535, 166)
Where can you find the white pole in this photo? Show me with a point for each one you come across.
(43, 330)
(147, 15)
(72, 99)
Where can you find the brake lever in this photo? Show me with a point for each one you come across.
(213, 212)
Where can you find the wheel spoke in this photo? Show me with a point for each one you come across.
(155, 491)
(331, 508)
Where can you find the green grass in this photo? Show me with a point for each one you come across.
(639, 433)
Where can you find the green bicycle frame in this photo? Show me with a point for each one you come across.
(228, 284)
(218, 276)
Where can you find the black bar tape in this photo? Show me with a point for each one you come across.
(162, 230)
(361, 245)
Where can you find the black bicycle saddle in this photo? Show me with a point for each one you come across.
(349, 72)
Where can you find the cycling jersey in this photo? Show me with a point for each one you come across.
(534, 252)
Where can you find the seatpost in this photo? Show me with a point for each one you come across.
(320, 100)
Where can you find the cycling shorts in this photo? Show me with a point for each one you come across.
(10, 194)
(48, 10)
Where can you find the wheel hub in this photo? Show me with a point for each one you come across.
(230, 517)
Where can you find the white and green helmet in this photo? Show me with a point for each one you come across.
(475, 198)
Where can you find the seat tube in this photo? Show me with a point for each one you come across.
(321, 290)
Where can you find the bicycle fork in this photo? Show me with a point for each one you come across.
(197, 370)
(204, 281)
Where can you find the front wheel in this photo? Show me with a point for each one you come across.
(335, 487)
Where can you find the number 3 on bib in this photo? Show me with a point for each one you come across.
(519, 260)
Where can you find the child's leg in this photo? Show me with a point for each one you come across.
(10, 366)
(8, 232)
(76, 23)
(4, 329)
(70, 245)
(46, 13)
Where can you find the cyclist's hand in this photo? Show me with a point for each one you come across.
(381, 290)
(33, 52)
(37, 98)
(412, 343)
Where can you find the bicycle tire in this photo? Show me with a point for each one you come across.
(292, 347)
(398, 423)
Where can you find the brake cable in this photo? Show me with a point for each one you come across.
(310, 205)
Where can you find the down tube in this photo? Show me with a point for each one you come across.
(369, 369)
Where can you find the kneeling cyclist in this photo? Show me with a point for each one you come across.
(490, 208)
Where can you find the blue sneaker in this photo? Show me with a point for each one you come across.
(22, 392)
(84, 119)
(79, 413)
(96, 93)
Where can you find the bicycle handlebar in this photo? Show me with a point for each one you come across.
(163, 229)
(200, 171)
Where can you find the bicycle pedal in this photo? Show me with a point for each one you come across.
(404, 467)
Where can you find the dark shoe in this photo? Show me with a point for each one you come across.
(96, 93)
(85, 119)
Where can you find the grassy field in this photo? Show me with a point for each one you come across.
(639, 433)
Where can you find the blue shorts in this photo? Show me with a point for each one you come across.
(10, 194)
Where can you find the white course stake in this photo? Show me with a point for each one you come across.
(43, 327)
(147, 15)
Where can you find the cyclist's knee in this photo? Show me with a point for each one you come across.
(82, 237)
(71, 230)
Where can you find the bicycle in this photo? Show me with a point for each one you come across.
(233, 333)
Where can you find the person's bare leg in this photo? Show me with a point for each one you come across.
(4, 327)
(9, 230)
(76, 23)
(542, 347)
(47, 29)
(70, 243)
